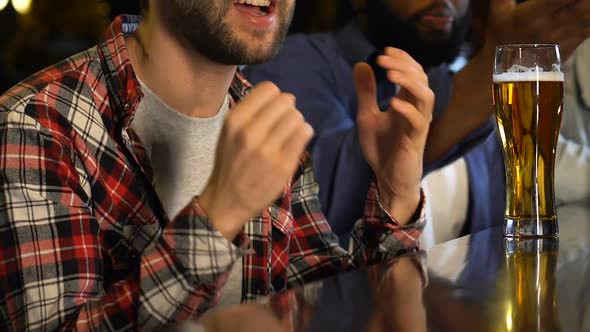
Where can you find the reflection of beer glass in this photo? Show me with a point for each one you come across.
(529, 293)
(528, 96)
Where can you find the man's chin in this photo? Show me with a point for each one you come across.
(256, 60)
(244, 58)
(259, 52)
(434, 37)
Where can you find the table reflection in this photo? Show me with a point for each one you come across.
(482, 282)
(381, 298)
(526, 288)
(386, 297)
(486, 282)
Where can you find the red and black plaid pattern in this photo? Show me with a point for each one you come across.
(84, 240)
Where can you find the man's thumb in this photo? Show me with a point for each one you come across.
(366, 88)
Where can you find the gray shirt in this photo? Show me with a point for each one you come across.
(181, 150)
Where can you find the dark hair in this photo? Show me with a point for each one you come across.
(144, 4)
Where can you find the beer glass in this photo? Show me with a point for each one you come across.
(528, 97)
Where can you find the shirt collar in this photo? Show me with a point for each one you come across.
(122, 84)
(354, 44)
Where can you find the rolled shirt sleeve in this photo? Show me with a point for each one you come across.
(52, 254)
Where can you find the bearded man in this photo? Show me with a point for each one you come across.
(144, 180)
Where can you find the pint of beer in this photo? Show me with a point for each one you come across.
(528, 97)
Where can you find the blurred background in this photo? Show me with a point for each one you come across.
(38, 33)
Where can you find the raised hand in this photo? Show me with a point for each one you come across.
(563, 22)
(258, 152)
(393, 141)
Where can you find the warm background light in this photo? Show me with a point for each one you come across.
(21, 6)
(3, 4)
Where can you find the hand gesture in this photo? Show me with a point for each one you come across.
(393, 141)
(258, 152)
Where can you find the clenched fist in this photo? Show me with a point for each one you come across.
(258, 152)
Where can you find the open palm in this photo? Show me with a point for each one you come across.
(393, 141)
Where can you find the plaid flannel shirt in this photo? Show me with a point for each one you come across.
(84, 240)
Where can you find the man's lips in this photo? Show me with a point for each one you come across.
(259, 16)
(256, 7)
(437, 22)
(439, 17)
(252, 10)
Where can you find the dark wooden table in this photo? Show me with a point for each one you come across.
(485, 282)
(481, 282)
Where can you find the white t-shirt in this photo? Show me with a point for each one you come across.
(181, 150)
(447, 203)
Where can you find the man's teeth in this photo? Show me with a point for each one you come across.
(261, 3)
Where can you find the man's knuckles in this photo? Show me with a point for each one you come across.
(265, 90)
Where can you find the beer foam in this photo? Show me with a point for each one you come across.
(528, 76)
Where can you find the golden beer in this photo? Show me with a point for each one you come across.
(528, 113)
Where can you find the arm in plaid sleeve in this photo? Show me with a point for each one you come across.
(51, 255)
(314, 249)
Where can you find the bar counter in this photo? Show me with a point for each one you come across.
(481, 282)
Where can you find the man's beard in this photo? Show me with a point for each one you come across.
(199, 27)
(388, 30)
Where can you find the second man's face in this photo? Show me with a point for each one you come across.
(434, 20)
(432, 31)
(231, 32)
